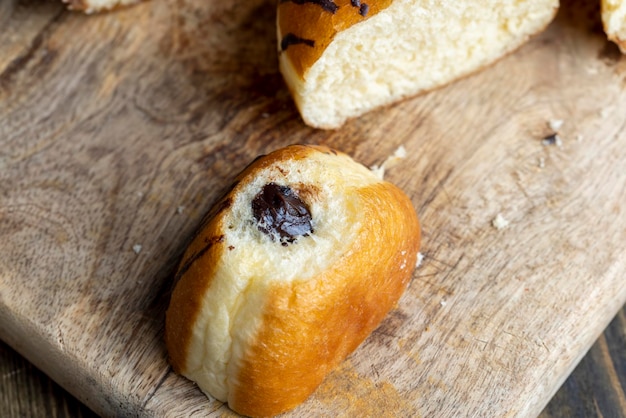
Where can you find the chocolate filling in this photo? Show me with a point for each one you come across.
(279, 212)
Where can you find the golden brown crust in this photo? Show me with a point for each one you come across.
(310, 326)
(307, 28)
(194, 277)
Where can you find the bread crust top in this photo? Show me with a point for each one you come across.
(307, 27)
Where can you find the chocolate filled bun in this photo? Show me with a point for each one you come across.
(291, 270)
(343, 58)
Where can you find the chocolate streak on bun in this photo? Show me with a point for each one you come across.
(291, 39)
(188, 263)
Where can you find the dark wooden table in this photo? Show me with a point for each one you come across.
(597, 388)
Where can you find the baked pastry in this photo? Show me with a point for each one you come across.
(290, 272)
(614, 21)
(343, 58)
(93, 6)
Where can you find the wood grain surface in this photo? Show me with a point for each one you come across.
(118, 131)
(596, 388)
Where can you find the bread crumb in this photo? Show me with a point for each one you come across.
(604, 113)
(443, 302)
(499, 222)
(403, 265)
(420, 258)
(180, 209)
(399, 154)
(555, 124)
(137, 248)
(553, 139)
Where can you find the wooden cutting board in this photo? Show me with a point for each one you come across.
(118, 131)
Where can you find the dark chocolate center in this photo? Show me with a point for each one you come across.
(280, 212)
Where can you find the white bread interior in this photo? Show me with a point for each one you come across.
(409, 47)
(614, 21)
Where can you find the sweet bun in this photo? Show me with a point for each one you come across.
(614, 21)
(290, 272)
(343, 58)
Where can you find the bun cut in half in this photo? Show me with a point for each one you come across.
(343, 58)
(289, 273)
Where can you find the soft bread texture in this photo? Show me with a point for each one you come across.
(93, 6)
(614, 21)
(341, 61)
(258, 322)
